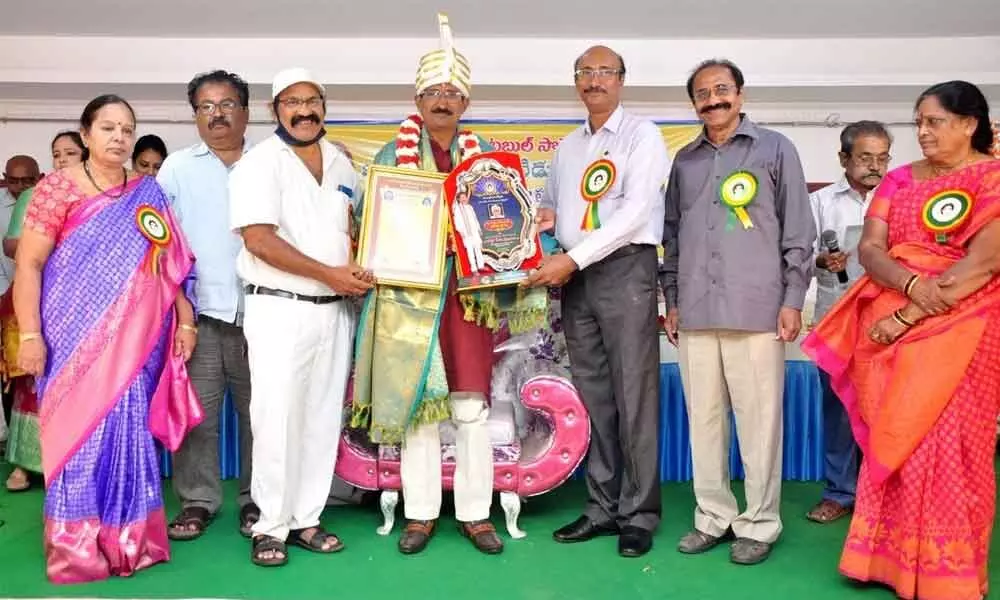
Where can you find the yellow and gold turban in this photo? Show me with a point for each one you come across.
(445, 65)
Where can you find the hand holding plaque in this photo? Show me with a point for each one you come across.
(492, 221)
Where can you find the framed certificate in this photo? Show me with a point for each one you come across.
(404, 227)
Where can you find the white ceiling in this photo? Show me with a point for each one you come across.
(592, 19)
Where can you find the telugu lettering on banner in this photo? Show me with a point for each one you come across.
(533, 140)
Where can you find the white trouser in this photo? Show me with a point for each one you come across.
(474, 249)
(420, 464)
(300, 358)
(746, 372)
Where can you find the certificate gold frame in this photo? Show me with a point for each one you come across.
(404, 227)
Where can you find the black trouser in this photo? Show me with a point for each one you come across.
(609, 312)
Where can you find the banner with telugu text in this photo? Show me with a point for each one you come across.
(535, 140)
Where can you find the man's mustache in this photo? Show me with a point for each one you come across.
(720, 105)
(595, 88)
(219, 122)
(300, 118)
(442, 110)
(874, 174)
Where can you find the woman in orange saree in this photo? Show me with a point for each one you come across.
(913, 351)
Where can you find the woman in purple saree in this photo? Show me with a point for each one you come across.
(103, 297)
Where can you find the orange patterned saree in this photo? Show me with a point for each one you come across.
(923, 409)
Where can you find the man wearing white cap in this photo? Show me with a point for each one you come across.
(438, 346)
(290, 199)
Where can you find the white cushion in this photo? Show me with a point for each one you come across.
(500, 424)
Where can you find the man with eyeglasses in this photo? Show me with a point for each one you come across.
(737, 264)
(840, 208)
(441, 341)
(196, 180)
(290, 198)
(604, 199)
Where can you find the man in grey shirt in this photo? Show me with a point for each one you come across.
(738, 239)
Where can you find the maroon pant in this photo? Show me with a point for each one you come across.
(467, 348)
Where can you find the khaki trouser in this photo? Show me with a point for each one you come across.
(745, 372)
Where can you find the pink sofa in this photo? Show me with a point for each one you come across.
(538, 426)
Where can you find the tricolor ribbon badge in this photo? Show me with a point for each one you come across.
(154, 227)
(737, 191)
(945, 212)
(597, 180)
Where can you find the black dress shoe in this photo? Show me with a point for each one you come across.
(581, 530)
(634, 541)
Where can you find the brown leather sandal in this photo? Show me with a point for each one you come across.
(189, 524)
(317, 542)
(828, 511)
(262, 545)
(416, 535)
(483, 536)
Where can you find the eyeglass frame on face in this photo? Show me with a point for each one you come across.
(310, 102)
(870, 160)
(227, 106)
(28, 180)
(448, 95)
(721, 90)
(598, 73)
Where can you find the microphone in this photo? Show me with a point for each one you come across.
(829, 239)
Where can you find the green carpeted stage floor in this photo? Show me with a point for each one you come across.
(803, 565)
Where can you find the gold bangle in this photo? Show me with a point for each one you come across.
(912, 281)
(187, 327)
(27, 337)
(898, 316)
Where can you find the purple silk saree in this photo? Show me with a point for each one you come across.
(112, 380)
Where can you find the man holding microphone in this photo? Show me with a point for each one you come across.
(838, 209)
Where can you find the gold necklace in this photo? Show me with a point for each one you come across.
(86, 169)
(940, 171)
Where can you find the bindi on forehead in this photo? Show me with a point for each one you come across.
(113, 122)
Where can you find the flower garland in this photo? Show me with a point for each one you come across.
(408, 143)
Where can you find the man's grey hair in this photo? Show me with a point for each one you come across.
(849, 136)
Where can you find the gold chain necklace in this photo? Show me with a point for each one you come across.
(940, 171)
(93, 182)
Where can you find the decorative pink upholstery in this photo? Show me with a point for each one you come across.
(532, 454)
(552, 449)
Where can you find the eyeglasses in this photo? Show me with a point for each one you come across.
(869, 160)
(293, 103)
(449, 95)
(209, 108)
(722, 90)
(596, 73)
(30, 180)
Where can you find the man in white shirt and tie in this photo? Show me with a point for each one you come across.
(604, 197)
(840, 208)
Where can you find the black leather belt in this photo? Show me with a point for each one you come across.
(266, 291)
(627, 250)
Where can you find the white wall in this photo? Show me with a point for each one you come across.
(817, 145)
